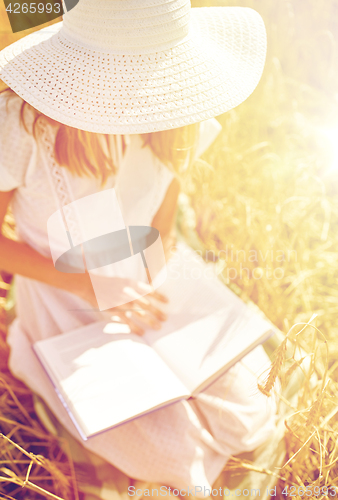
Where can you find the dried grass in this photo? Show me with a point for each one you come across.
(264, 198)
(31, 459)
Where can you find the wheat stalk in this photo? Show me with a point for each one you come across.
(275, 369)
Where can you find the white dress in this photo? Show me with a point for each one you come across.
(184, 445)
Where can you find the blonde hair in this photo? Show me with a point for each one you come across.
(82, 152)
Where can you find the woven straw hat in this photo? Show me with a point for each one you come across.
(137, 66)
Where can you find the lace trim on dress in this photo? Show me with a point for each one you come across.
(59, 182)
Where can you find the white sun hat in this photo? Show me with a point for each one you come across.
(138, 66)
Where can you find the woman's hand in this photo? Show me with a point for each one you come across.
(138, 311)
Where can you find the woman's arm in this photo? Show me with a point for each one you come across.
(20, 258)
(165, 218)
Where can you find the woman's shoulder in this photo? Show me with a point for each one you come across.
(16, 140)
(10, 102)
(209, 131)
(15, 112)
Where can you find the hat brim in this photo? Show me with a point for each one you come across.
(211, 71)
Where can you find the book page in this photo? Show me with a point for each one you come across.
(107, 378)
(209, 328)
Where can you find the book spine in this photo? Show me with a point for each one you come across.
(80, 431)
(35, 349)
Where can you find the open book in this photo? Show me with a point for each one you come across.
(105, 377)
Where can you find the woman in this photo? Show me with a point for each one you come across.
(123, 95)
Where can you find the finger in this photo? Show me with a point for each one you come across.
(146, 304)
(159, 296)
(119, 318)
(150, 291)
(135, 328)
(146, 319)
(128, 306)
